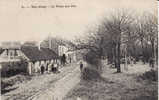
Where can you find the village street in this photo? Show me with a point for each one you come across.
(58, 90)
(43, 87)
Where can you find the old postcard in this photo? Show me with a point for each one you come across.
(79, 49)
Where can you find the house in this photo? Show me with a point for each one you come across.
(62, 49)
(71, 56)
(34, 56)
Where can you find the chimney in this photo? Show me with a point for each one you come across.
(39, 46)
(49, 42)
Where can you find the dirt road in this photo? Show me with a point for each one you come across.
(60, 88)
(41, 85)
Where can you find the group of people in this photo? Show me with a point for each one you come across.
(53, 67)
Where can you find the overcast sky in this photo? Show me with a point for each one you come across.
(24, 24)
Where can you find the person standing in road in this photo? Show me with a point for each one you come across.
(42, 69)
(47, 67)
(81, 66)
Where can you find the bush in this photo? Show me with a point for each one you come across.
(92, 59)
(89, 73)
(151, 75)
(12, 68)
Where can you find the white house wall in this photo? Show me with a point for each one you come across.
(62, 50)
(37, 66)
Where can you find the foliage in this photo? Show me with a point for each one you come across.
(89, 73)
(151, 75)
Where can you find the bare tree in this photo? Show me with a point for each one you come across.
(115, 26)
(116, 30)
(151, 29)
(146, 27)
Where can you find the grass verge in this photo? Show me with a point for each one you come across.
(116, 87)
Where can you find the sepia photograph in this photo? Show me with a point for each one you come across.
(79, 49)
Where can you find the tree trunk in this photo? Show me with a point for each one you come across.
(115, 56)
(118, 58)
(142, 46)
(152, 46)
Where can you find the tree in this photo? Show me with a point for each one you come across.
(146, 28)
(92, 44)
(151, 29)
(115, 27)
(117, 31)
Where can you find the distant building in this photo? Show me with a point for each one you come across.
(69, 52)
(62, 50)
(71, 56)
(60, 47)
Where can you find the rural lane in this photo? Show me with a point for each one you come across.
(60, 88)
(46, 86)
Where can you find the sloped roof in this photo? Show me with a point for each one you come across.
(34, 54)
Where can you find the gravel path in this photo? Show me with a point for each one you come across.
(61, 87)
(39, 84)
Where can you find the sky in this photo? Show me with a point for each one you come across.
(24, 24)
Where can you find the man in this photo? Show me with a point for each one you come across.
(47, 67)
(42, 69)
(151, 62)
(52, 68)
(81, 66)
